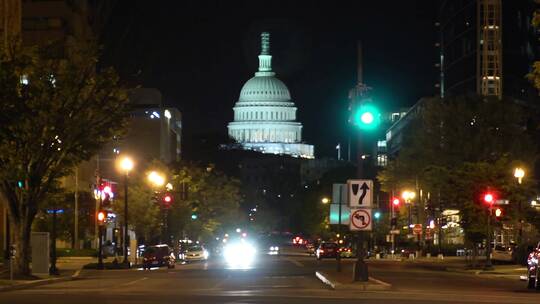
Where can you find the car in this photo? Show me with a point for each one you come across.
(346, 252)
(327, 250)
(195, 252)
(533, 271)
(273, 250)
(502, 253)
(157, 256)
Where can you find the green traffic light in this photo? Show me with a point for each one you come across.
(377, 215)
(367, 117)
(193, 216)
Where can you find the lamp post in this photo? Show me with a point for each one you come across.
(126, 164)
(158, 182)
(519, 173)
(407, 197)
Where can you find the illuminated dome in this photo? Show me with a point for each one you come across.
(265, 116)
(264, 88)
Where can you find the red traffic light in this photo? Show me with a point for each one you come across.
(488, 198)
(395, 201)
(167, 200)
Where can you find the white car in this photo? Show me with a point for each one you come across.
(195, 253)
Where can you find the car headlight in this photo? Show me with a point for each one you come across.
(239, 255)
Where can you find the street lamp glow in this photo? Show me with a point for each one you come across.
(408, 195)
(156, 179)
(325, 200)
(519, 173)
(126, 164)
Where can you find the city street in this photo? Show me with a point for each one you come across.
(274, 279)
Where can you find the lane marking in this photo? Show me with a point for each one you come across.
(295, 262)
(77, 273)
(133, 282)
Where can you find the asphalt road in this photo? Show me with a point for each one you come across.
(283, 279)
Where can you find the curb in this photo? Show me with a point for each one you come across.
(372, 284)
(40, 282)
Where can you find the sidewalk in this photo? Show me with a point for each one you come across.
(457, 264)
(69, 269)
(344, 281)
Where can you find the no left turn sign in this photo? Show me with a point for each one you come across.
(360, 220)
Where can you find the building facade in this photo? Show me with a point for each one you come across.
(265, 115)
(487, 47)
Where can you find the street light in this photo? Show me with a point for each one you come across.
(126, 164)
(325, 200)
(519, 173)
(408, 196)
(156, 179)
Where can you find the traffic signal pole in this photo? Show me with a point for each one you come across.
(488, 245)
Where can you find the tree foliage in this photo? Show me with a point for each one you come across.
(209, 194)
(458, 148)
(56, 111)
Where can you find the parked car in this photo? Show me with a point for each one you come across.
(157, 256)
(502, 253)
(327, 250)
(533, 271)
(195, 253)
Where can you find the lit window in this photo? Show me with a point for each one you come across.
(382, 160)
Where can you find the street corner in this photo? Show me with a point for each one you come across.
(343, 281)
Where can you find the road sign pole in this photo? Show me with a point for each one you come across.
(339, 232)
(360, 271)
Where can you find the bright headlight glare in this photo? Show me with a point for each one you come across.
(239, 255)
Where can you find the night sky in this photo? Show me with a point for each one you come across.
(199, 53)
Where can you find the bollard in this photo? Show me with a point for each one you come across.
(440, 256)
(377, 256)
(411, 256)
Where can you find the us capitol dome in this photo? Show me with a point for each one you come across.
(265, 115)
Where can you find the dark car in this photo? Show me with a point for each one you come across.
(159, 255)
(533, 271)
(327, 250)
